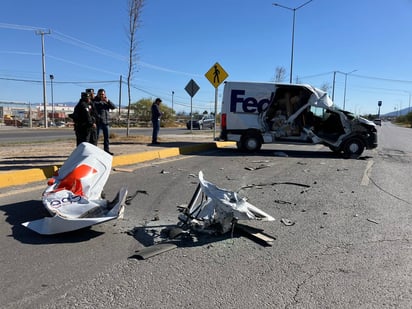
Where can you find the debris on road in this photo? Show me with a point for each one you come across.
(255, 234)
(373, 221)
(275, 183)
(126, 170)
(151, 251)
(74, 195)
(218, 209)
(211, 211)
(282, 202)
(287, 222)
(257, 168)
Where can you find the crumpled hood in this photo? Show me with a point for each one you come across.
(365, 121)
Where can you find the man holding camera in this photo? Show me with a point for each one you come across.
(103, 105)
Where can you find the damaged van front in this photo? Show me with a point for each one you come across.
(306, 114)
(298, 114)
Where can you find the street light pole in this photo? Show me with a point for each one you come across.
(344, 92)
(52, 99)
(333, 87)
(293, 32)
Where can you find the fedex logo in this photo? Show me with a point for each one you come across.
(240, 103)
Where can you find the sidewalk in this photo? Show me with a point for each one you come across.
(25, 163)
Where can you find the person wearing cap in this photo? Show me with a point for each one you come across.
(84, 117)
(103, 105)
(156, 114)
(91, 91)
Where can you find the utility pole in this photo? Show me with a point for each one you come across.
(42, 33)
(333, 87)
(344, 93)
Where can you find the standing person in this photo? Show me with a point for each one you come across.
(103, 105)
(91, 91)
(156, 114)
(84, 117)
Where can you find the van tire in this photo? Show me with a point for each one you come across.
(353, 148)
(250, 142)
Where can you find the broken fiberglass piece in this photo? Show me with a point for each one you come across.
(219, 208)
(73, 196)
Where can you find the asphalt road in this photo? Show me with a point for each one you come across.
(349, 246)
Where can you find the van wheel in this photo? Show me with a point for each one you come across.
(251, 143)
(353, 148)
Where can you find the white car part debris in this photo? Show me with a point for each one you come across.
(287, 222)
(73, 195)
(219, 209)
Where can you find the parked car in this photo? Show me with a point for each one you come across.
(204, 122)
(60, 124)
(378, 121)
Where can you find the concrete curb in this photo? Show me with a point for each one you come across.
(17, 178)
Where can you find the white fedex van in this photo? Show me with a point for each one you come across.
(257, 113)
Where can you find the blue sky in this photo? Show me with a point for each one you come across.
(181, 40)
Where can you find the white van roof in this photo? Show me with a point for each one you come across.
(318, 98)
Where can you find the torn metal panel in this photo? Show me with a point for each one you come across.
(219, 209)
(73, 196)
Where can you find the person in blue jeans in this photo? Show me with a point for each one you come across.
(156, 114)
(103, 105)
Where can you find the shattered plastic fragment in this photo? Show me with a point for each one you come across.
(287, 222)
(219, 208)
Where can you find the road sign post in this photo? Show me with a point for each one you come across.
(216, 75)
(191, 88)
(379, 110)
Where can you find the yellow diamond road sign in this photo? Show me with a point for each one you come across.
(216, 75)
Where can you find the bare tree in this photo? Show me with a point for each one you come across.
(325, 87)
(135, 8)
(280, 74)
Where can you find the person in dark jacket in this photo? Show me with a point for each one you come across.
(156, 114)
(84, 117)
(103, 106)
(91, 91)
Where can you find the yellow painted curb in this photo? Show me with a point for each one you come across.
(16, 178)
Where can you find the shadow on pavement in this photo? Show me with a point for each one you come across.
(32, 210)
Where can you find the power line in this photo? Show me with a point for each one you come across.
(382, 79)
